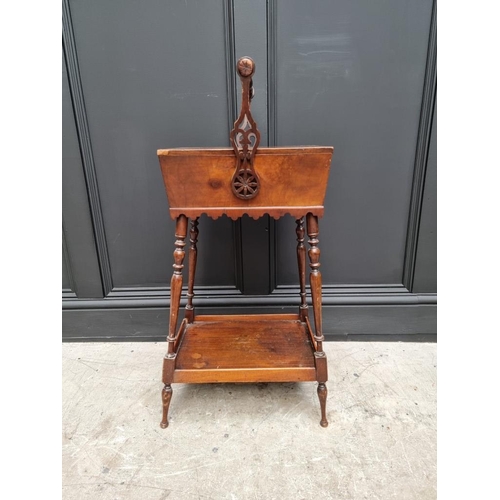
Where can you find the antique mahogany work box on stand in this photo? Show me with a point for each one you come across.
(245, 179)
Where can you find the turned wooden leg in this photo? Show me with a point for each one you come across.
(322, 394)
(193, 253)
(301, 260)
(176, 282)
(315, 281)
(166, 396)
(175, 300)
(315, 277)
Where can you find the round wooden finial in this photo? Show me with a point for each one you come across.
(246, 66)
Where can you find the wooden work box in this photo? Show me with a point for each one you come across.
(255, 181)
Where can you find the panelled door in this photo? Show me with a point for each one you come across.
(140, 76)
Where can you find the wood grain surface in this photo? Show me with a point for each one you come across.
(229, 350)
(292, 181)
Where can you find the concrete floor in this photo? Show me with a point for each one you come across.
(256, 441)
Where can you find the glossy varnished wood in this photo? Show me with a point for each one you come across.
(193, 255)
(247, 317)
(245, 137)
(235, 182)
(292, 181)
(257, 349)
(315, 277)
(166, 397)
(316, 286)
(176, 282)
(301, 261)
(322, 395)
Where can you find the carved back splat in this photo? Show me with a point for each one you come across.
(245, 137)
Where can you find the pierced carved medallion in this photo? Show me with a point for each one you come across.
(245, 137)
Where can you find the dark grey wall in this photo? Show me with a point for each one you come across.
(353, 71)
(148, 82)
(426, 260)
(143, 76)
(80, 264)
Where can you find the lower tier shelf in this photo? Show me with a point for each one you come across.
(255, 348)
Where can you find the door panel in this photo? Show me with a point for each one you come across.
(67, 284)
(425, 280)
(153, 76)
(142, 76)
(350, 74)
(80, 264)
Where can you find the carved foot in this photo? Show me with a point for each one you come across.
(166, 396)
(322, 394)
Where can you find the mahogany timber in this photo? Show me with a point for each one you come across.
(176, 282)
(259, 348)
(193, 254)
(235, 182)
(301, 261)
(166, 397)
(293, 181)
(322, 395)
(247, 317)
(245, 137)
(175, 300)
(315, 277)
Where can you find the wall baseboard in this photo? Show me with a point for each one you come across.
(414, 318)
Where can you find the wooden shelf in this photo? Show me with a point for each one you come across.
(253, 348)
